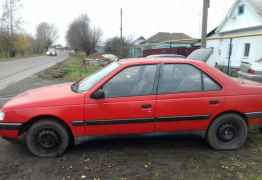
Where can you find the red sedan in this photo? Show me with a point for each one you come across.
(135, 96)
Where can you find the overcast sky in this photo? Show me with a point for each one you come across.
(140, 17)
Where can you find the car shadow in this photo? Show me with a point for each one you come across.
(145, 142)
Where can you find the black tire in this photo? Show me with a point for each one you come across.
(227, 132)
(47, 138)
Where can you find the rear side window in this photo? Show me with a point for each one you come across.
(184, 78)
(179, 78)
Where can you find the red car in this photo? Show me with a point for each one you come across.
(135, 96)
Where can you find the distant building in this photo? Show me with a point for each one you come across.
(239, 36)
(100, 47)
(139, 40)
(162, 41)
(136, 50)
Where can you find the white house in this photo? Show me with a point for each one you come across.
(239, 37)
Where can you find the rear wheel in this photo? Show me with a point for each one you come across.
(47, 138)
(227, 132)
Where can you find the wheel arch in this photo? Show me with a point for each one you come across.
(36, 119)
(230, 112)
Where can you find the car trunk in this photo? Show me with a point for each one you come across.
(247, 82)
(252, 68)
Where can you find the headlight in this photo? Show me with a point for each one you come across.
(2, 116)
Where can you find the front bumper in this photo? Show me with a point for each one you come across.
(10, 130)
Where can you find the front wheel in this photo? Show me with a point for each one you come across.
(227, 132)
(47, 138)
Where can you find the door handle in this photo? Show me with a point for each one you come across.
(146, 106)
(214, 102)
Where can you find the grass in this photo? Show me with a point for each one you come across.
(71, 69)
(255, 178)
(75, 69)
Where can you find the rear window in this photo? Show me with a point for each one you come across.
(201, 54)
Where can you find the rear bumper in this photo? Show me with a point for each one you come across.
(10, 130)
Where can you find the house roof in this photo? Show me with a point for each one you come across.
(212, 32)
(165, 36)
(257, 4)
(139, 40)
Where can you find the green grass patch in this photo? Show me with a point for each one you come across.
(75, 68)
(255, 178)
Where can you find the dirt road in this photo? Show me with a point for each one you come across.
(168, 157)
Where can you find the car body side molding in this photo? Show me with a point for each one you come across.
(254, 115)
(10, 126)
(139, 120)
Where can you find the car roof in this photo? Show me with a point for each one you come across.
(166, 55)
(136, 61)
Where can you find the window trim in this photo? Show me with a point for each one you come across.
(249, 47)
(241, 9)
(183, 92)
(134, 65)
(221, 87)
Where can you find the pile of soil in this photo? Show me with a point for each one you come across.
(55, 72)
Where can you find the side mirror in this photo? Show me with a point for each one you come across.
(99, 94)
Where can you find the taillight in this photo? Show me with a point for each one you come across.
(251, 71)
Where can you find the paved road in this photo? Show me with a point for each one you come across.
(14, 71)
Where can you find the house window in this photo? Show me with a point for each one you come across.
(247, 50)
(241, 10)
(219, 52)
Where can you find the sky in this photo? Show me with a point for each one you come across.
(140, 17)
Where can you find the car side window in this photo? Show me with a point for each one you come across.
(184, 78)
(132, 81)
(209, 84)
(179, 78)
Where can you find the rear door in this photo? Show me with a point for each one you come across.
(186, 100)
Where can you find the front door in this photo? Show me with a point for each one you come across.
(128, 106)
(186, 100)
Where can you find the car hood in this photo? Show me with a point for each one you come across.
(55, 95)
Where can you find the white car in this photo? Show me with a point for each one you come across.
(251, 70)
(51, 53)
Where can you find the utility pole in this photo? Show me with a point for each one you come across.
(206, 4)
(11, 11)
(121, 31)
(121, 24)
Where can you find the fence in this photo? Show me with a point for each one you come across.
(181, 51)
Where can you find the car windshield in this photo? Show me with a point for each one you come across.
(90, 81)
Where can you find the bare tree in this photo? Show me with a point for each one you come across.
(9, 25)
(82, 36)
(46, 35)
